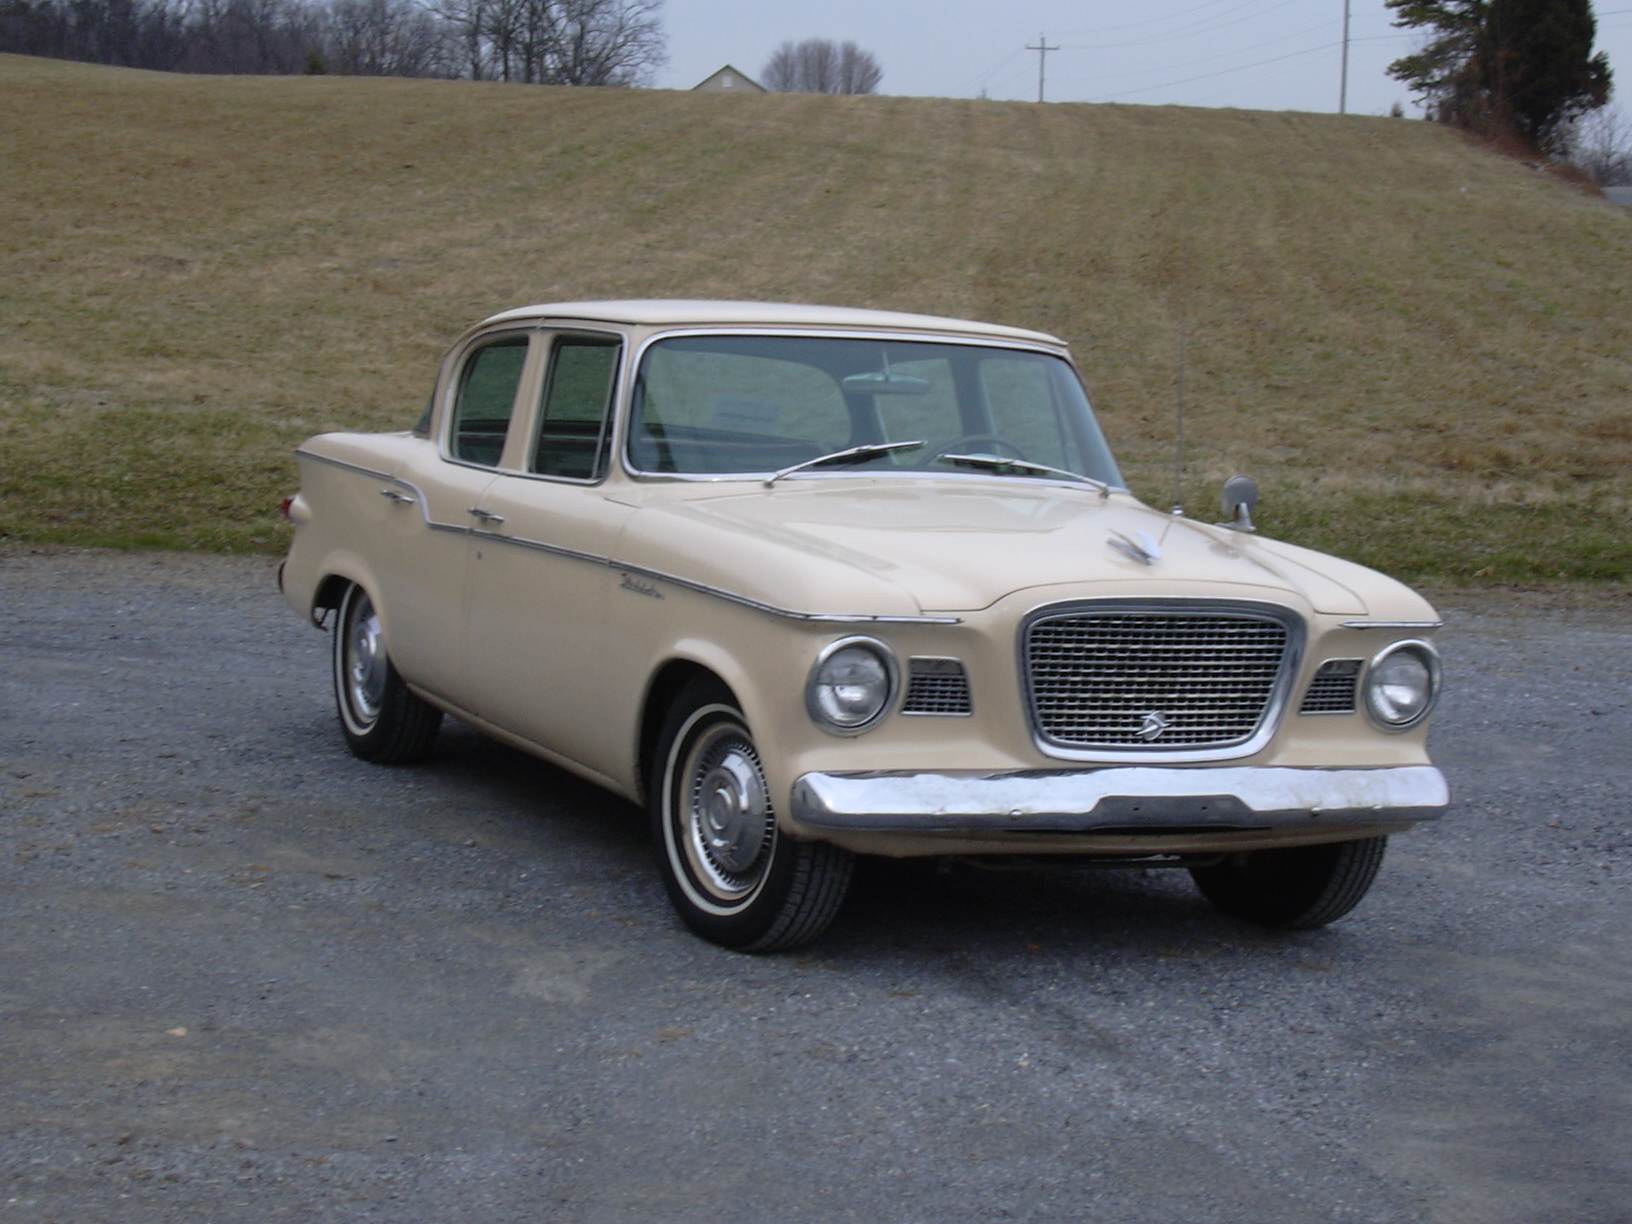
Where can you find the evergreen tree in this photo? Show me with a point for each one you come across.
(1523, 67)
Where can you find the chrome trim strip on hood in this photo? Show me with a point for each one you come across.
(1406, 625)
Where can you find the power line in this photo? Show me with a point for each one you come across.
(1201, 27)
(1207, 76)
(1000, 88)
(986, 73)
(1206, 59)
(1133, 25)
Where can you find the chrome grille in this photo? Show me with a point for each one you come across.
(1153, 680)
(936, 686)
(1332, 689)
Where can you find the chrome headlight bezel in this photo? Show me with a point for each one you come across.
(822, 714)
(1375, 702)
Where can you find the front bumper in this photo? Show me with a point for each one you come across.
(1118, 799)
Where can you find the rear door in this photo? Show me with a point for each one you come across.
(425, 592)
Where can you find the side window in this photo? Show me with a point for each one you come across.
(572, 416)
(487, 398)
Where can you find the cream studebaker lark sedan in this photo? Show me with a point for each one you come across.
(811, 583)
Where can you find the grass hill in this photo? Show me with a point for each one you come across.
(1422, 350)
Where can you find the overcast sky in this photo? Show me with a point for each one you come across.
(1263, 54)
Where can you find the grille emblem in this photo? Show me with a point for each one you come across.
(1153, 725)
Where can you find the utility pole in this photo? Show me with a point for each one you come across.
(1042, 48)
(1343, 87)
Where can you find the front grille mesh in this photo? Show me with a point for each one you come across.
(1153, 680)
(1332, 689)
(936, 686)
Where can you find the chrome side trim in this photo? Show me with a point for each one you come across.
(302, 453)
(1365, 624)
(554, 550)
(701, 588)
(1118, 798)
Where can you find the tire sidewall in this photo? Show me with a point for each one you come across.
(361, 734)
(700, 708)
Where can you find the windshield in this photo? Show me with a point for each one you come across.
(752, 405)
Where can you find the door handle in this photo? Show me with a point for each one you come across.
(395, 496)
(487, 516)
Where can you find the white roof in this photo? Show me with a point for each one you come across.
(762, 314)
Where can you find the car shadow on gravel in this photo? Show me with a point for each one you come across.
(895, 906)
(544, 801)
(945, 905)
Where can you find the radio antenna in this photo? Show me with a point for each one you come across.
(1178, 415)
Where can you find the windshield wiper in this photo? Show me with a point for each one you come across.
(997, 463)
(870, 450)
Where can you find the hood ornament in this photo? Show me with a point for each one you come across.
(1141, 546)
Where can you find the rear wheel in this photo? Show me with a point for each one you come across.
(734, 878)
(1301, 887)
(381, 720)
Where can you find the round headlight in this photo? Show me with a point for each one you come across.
(1401, 684)
(850, 685)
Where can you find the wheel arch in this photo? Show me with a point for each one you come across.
(338, 571)
(331, 589)
(667, 683)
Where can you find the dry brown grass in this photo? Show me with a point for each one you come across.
(1422, 350)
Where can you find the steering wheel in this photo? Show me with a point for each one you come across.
(957, 444)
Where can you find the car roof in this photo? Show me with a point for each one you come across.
(680, 313)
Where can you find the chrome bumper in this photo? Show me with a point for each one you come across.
(1122, 798)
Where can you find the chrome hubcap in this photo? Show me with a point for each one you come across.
(365, 662)
(729, 822)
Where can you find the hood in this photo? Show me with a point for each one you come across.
(955, 545)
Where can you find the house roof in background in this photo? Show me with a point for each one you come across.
(730, 77)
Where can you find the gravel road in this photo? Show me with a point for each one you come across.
(245, 977)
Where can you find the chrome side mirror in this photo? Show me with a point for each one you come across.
(1240, 500)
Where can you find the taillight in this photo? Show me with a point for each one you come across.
(283, 507)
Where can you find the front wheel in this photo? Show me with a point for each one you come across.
(732, 875)
(1301, 887)
(382, 721)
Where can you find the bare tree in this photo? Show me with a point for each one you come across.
(819, 65)
(571, 42)
(859, 72)
(1601, 144)
(387, 38)
(466, 21)
(502, 23)
(561, 42)
(604, 42)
